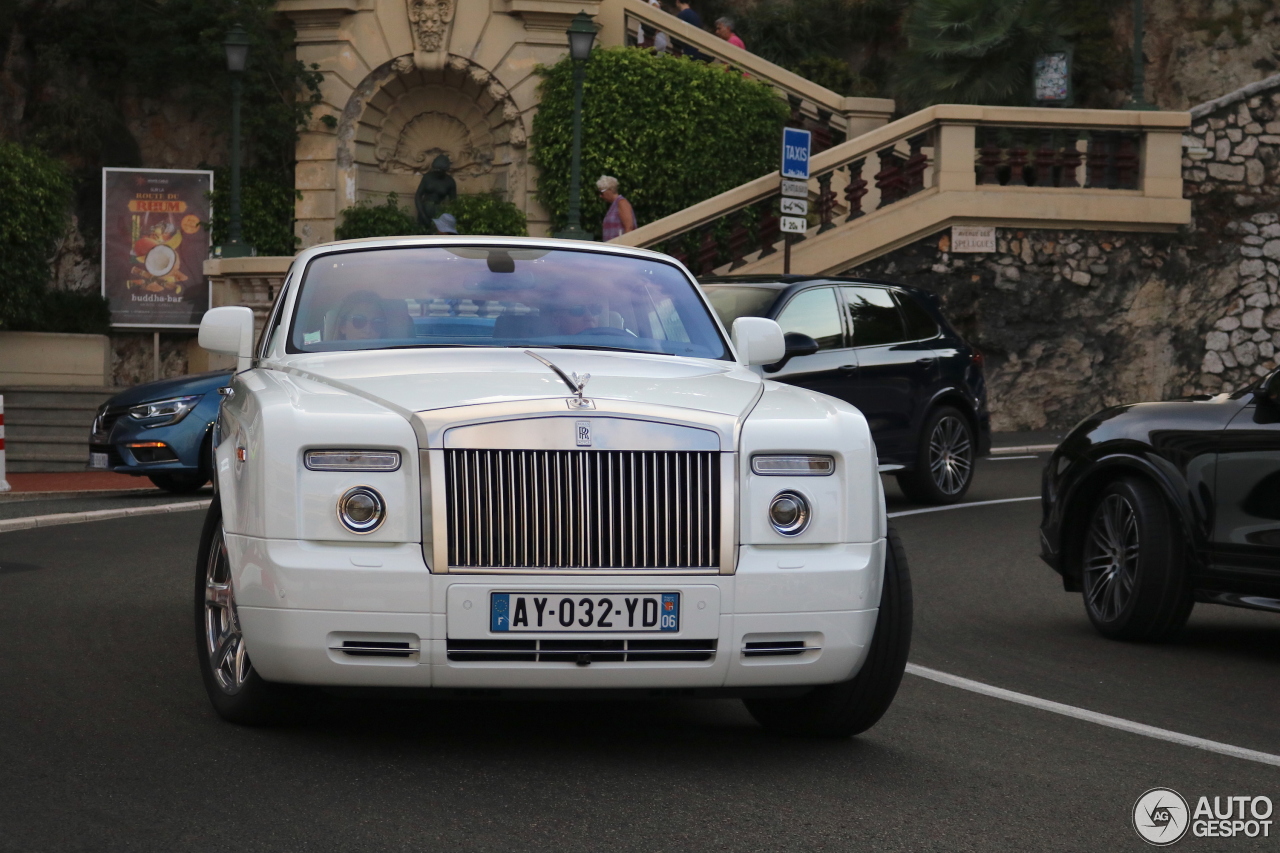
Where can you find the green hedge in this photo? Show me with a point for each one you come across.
(35, 194)
(267, 199)
(674, 132)
(488, 214)
(476, 214)
(366, 219)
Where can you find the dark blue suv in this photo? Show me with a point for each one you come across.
(887, 349)
(160, 430)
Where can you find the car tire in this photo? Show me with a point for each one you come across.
(235, 689)
(851, 707)
(179, 484)
(1133, 564)
(944, 462)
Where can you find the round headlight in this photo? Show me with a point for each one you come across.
(789, 513)
(361, 510)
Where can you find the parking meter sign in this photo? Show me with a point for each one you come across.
(795, 153)
(795, 189)
(794, 224)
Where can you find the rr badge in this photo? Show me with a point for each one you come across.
(584, 433)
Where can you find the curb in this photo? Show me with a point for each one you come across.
(19, 497)
(96, 515)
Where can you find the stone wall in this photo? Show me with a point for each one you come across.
(1071, 321)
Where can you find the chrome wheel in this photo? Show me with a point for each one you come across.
(1111, 558)
(224, 643)
(950, 455)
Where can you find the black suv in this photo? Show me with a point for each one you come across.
(887, 349)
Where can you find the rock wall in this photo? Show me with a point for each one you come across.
(1071, 321)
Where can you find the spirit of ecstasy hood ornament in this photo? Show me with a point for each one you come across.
(575, 382)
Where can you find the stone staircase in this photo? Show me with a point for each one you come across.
(1014, 167)
(47, 427)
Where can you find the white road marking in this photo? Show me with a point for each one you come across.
(1007, 458)
(960, 506)
(1026, 448)
(1094, 717)
(7, 524)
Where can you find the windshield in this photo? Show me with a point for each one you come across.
(734, 301)
(499, 297)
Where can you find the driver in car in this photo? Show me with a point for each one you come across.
(576, 319)
(361, 317)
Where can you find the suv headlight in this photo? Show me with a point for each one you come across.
(171, 410)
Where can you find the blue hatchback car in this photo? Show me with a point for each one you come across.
(160, 430)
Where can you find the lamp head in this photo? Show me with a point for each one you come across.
(582, 32)
(236, 44)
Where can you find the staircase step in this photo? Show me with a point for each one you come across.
(30, 419)
(37, 397)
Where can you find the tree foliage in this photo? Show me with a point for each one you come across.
(35, 191)
(481, 213)
(672, 131)
(975, 51)
(83, 62)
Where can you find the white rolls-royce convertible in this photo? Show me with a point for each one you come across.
(504, 465)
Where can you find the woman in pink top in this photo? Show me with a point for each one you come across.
(724, 29)
(621, 218)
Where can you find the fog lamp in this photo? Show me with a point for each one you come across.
(361, 509)
(789, 513)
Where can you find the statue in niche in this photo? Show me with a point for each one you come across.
(436, 188)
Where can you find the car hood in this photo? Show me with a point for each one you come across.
(422, 380)
(182, 386)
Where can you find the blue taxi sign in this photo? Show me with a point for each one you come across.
(795, 153)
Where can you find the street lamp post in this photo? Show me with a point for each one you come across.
(1137, 99)
(582, 32)
(236, 45)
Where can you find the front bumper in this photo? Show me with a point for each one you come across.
(300, 602)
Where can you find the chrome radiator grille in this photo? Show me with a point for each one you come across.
(583, 509)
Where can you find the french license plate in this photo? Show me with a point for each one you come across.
(593, 612)
(97, 460)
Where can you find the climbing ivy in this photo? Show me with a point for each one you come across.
(35, 190)
(672, 131)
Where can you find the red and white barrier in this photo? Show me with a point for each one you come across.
(4, 484)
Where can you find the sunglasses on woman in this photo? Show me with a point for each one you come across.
(359, 321)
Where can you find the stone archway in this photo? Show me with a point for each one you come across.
(401, 116)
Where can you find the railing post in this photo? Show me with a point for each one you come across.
(889, 178)
(1017, 160)
(917, 162)
(856, 189)
(1071, 160)
(1160, 163)
(708, 250)
(738, 238)
(826, 202)
(1097, 157)
(953, 158)
(1045, 159)
(1126, 162)
(768, 228)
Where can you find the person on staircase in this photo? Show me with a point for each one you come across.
(724, 29)
(686, 13)
(620, 217)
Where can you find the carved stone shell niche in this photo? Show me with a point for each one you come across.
(460, 111)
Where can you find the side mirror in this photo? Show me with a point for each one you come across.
(229, 331)
(798, 343)
(1269, 391)
(757, 340)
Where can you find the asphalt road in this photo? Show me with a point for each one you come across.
(108, 743)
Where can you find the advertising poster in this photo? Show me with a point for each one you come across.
(154, 244)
